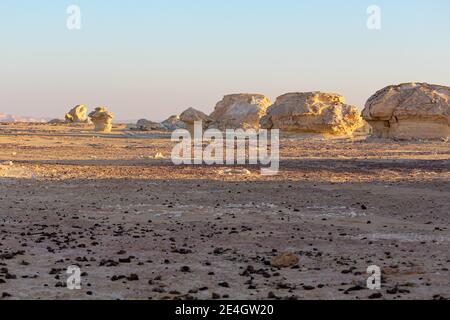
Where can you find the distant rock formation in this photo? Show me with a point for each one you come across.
(77, 115)
(236, 111)
(312, 112)
(56, 121)
(191, 115)
(146, 125)
(173, 123)
(410, 111)
(102, 119)
(10, 118)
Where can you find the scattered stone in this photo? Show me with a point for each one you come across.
(117, 278)
(215, 296)
(133, 277)
(393, 290)
(219, 251)
(354, 288)
(235, 172)
(125, 260)
(374, 296)
(308, 288)
(109, 263)
(182, 251)
(185, 269)
(285, 260)
(271, 295)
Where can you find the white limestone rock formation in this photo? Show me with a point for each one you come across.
(102, 119)
(410, 111)
(77, 115)
(191, 115)
(237, 111)
(313, 112)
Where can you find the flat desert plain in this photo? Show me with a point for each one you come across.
(142, 228)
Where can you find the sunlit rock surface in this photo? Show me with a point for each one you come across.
(312, 112)
(410, 111)
(237, 111)
(102, 119)
(77, 115)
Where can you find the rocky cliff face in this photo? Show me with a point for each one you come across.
(410, 111)
(237, 111)
(312, 112)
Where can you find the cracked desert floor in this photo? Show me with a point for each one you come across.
(142, 228)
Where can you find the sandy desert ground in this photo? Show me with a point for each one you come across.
(142, 228)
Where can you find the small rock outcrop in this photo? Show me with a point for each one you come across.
(77, 115)
(237, 111)
(173, 123)
(191, 115)
(56, 121)
(410, 111)
(102, 119)
(312, 112)
(147, 125)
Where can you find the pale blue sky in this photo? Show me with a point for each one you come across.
(151, 59)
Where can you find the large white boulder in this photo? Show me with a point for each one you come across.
(312, 112)
(410, 111)
(237, 111)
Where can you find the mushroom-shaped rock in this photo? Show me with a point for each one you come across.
(237, 111)
(312, 112)
(77, 115)
(173, 123)
(102, 119)
(410, 111)
(191, 115)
